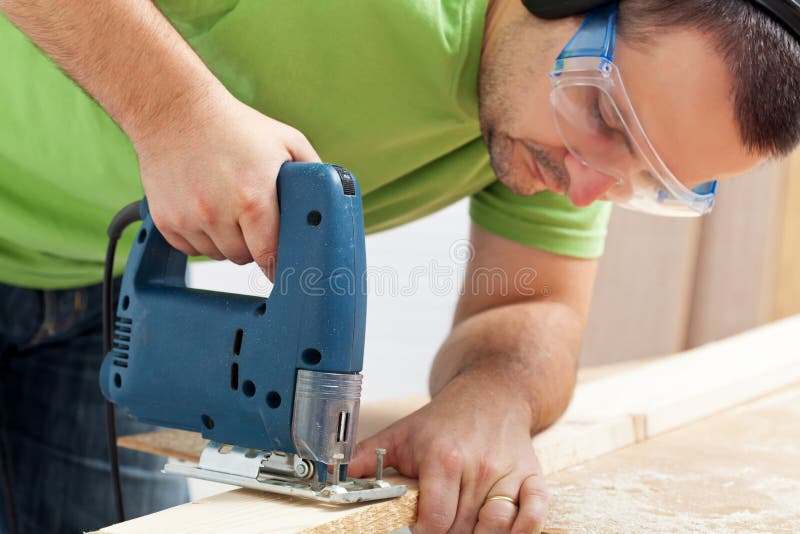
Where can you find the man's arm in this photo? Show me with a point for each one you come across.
(506, 371)
(208, 162)
(527, 325)
(125, 54)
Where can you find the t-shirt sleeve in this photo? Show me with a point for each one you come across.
(545, 221)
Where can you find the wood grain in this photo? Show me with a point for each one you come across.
(739, 251)
(736, 472)
(606, 415)
(178, 444)
(787, 298)
(644, 278)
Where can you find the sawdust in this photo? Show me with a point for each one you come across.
(737, 472)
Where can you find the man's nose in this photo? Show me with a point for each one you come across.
(586, 185)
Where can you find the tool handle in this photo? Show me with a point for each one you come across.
(305, 192)
(226, 364)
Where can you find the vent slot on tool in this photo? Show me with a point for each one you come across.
(237, 342)
(237, 349)
(344, 427)
(234, 376)
(121, 343)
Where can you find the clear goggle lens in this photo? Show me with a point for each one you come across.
(599, 135)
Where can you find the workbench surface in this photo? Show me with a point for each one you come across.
(704, 441)
(735, 472)
(738, 471)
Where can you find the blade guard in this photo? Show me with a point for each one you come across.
(226, 364)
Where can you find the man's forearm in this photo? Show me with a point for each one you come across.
(528, 351)
(125, 54)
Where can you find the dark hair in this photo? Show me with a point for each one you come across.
(763, 58)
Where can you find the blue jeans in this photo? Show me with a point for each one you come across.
(52, 418)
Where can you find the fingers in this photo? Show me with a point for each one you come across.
(212, 190)
(189, 239)
(482, 474)
(204, 245)
(253, 238)
(260, 224)
(218, 235)
(230, 242)
(527, 512)
(440, 473)
(498, 515)
(363, 462)
(179, 243)
(193, 244)
(533, 501)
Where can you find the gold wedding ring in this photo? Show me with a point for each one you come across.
(502, 498)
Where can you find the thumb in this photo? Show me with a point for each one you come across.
(364, 459)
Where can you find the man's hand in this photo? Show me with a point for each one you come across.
(506, 371)
(208, 162)
(210, 179)
(470, 443)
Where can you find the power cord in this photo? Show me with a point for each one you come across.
(126, 216)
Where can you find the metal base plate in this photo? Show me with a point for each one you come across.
(259, 470)
(352, 491)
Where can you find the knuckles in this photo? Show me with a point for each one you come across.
(489, 469)
(205, 212)
(250, 203)
(535, 493)
(174, 222)
(449, 456)
(265, 257)
(534, 488)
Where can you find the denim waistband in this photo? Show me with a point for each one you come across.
(31, 317)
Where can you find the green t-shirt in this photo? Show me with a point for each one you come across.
(386, 88)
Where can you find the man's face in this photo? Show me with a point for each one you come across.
(678, 84)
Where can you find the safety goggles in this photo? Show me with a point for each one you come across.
(597, 122)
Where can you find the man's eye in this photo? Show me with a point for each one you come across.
(610, 124)
(604, 117)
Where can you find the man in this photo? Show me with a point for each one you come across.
(391, 90)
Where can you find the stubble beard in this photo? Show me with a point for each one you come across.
(495, 108)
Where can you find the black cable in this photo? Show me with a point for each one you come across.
(126, 216)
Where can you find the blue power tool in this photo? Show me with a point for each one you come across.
(273, 383)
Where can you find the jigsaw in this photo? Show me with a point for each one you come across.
(274, 382)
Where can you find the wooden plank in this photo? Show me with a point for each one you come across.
(787, 298)
(247, 511)
(645, 278)
(573, 441)
(734, 472)
(178, 444)
(607, 414)
(739, 253)
(697, 383)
